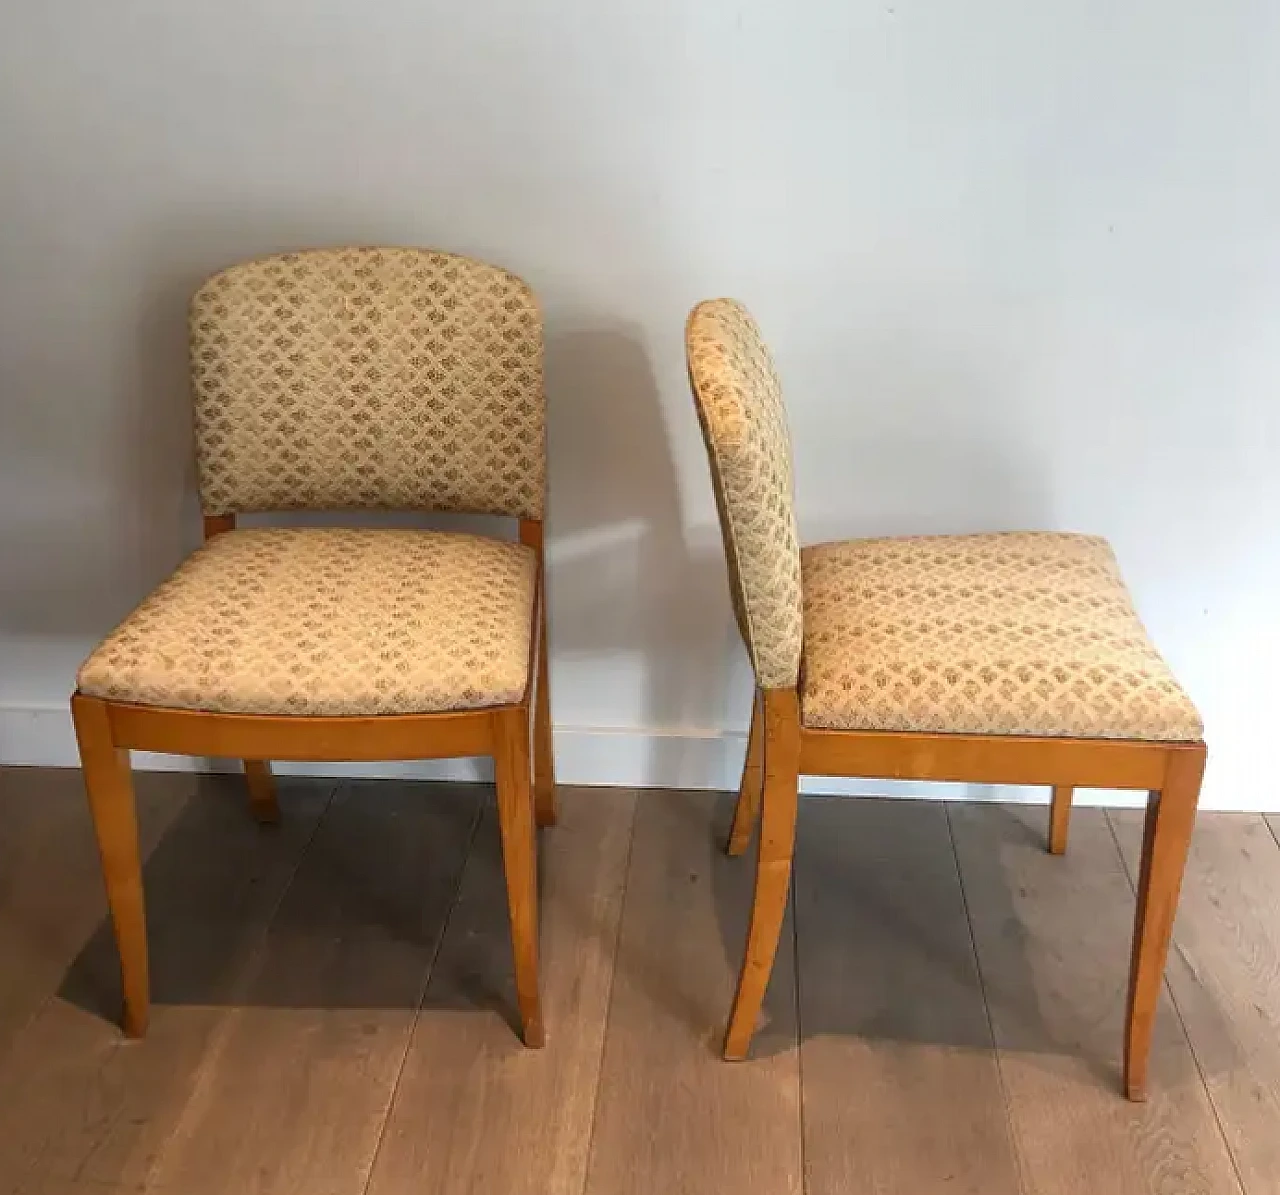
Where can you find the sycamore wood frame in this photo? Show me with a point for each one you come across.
(780, 749)
(108, 730)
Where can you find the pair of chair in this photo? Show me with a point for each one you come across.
(397, 378)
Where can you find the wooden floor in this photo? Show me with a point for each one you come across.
(334, 1003)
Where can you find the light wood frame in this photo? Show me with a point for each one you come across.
(525, 780)
(780, 749)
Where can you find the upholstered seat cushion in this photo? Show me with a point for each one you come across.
(1022, 633)
(328, 622)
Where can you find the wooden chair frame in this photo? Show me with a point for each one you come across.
(780, 749)
(108, 730)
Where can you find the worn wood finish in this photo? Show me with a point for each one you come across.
(262, 791)
(544, 774)
(109, 786)
(1171, 818)
(1060, 818)
(780, 717)
(512, 778)
(94, 1105)
(327, 1010)
(267, 736)
(1050, 935)
(671, 1116)
(901, 1089)
(474, 1113)
(986, 758)
(747, 810)
(1225, 977)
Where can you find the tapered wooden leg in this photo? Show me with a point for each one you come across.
(262, 791)
(747, 810)
(781, 750)
(1170, 819)
(1059, 818)
(544, 772)
(109, 785)
(520, 862)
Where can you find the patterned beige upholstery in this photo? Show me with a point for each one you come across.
(328, 622)
(1024, 633)
(744, 424)
(394, 378)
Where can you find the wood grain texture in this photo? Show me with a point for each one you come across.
(901, 1086)
(51, 897)
(474, 1112)
(294, 1088)
(671, 1115)
(1224, 971)
(95, 1107)
(1053, 940)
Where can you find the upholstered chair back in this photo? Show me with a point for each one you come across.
(744, 424)
(378, 378)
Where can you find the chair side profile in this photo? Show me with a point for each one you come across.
(326, 380)
(1013, 658)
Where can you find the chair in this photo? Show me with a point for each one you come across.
(326, 380)
(995, 659)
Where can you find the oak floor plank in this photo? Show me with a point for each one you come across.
(475, 1112)
(901, 1086)
(51, 894)
(293, 1091)
(671, 1116)
(1053, 937)
(95, 1107)
(1224, 970)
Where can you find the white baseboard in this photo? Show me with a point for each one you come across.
(584, 755)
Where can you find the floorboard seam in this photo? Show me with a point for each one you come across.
(613, 975)
(476, 821)
(1014, 1143)
(1173, 1000)
(218, 1035)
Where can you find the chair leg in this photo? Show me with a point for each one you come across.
(262, 791)
(544, 773)
(1059, 819)
(781, 751)
(520, 862)
(747, 810)
(109, 786)
(1170, 820)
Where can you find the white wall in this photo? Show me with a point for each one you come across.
(1020, 264)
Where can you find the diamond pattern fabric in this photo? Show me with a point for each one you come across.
(385, 378)
(328, 622)
(744, 425)
(1014, 634)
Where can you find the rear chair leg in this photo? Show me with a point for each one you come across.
(1171, 815)
(1059, 819)
(262, 791)
(109, 786)
(781, 751)
(747, 810)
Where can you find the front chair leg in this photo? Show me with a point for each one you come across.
(109, 786)
(781, 750)
(262, 791)
(1171, 814)
(519, 861)
(747, 809)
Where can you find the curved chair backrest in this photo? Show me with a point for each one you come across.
(383, 378)
(744, 424)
